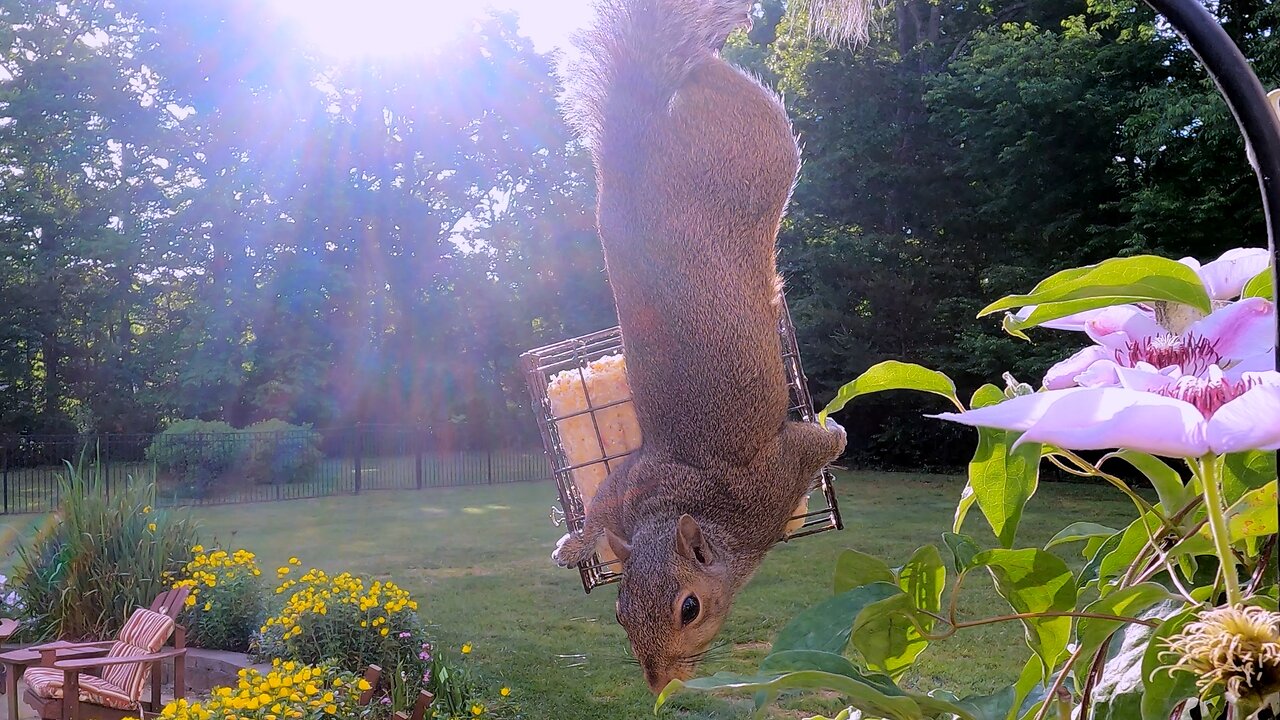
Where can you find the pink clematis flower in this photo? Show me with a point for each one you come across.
(1237, 338)
(1162, 413)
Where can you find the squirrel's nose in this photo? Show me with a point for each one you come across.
(659, 677)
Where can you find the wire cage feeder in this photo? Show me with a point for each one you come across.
(581, 454)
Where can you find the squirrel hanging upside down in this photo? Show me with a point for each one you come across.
(695, 163)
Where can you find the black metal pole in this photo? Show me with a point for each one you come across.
(1248, 101)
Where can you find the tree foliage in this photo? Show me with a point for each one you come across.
(202, 218)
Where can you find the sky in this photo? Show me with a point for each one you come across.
(355, 28)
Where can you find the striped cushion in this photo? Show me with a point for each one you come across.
(146, 629)
(48, 682)
(145, 633)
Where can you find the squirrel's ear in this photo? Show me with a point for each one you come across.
(621, 548)
(689, 540)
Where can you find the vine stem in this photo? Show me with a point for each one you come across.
(955, 626)
(1117, 483)
(1057, 684)
(1209, 468)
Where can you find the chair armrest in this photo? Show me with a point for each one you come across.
(87, 663)
(64, 645)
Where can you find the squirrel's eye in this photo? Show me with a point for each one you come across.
(689, 610)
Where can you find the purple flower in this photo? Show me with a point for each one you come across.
(404, 634)
(424, 655)
(386, 700)
(1162, 413)
(1235, 339)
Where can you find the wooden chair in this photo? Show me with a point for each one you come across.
(63, 689)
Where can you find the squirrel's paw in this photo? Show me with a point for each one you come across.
(570, 551)
(835, 427)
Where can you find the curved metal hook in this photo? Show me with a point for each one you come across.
(1257, 114)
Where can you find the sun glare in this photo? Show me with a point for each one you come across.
(351, 29)
(376, 28)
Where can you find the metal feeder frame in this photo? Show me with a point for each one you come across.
(543, 363)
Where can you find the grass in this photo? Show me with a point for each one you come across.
(478, 560)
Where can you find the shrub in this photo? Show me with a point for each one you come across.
(102, 558)
(227, 600)
(289, 691)
(281, 452)
(197, 452)
(342, 619)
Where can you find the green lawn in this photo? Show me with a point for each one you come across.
(478, 561)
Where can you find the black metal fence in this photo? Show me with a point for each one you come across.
(238, 467)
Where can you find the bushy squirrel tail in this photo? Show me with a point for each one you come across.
(634, 58)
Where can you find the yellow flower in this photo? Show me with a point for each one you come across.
(151, 527)
(294, 561)
(505, 691)
(364, 685)
(146, 509)
(208, 606)
(477, 709)
(466, 649)
(384, 632)
(331, 709)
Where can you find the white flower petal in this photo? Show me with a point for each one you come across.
(1239, 330)
(1115, 327)
(1063, 375)
(1225, 278)
(1250, 422)
(1017, 413)
(1105, 418)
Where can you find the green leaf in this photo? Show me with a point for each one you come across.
(1003, 480)
(1143, 278)
(858, 692)
(1254, 515)
(892, 375)
(826, 626)
(1164, 690)
(995, 706)
(885, 633)
(923, 578)
(794, 660)
(1242, 472)
(1135, 537)
(1127, 602)
(1078, 531)
(967, 499)
(963, 549)
(1173, 493)
(884, 636)
(1261, 285)
(855, 569)
(1034, 581)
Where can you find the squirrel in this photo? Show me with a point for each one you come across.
(695, 162)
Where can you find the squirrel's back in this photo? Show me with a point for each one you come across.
(695, 163)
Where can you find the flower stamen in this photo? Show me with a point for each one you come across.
(1194, 354)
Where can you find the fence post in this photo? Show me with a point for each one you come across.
(488, 470)
(359, 452)
(418, 438)
(5, 471)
